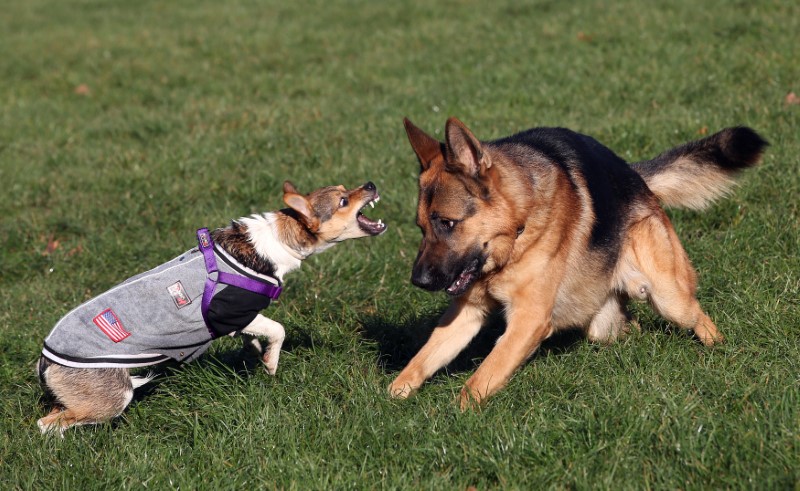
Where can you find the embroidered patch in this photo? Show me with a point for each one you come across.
(179, 295)
(204, 240)
(109, 323)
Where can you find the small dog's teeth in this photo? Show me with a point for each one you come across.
(377, 199)
(372, 204)
(380, 222)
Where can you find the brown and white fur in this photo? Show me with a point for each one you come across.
(559, 232)
(274, 244)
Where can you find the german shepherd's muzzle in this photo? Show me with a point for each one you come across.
(435, 272)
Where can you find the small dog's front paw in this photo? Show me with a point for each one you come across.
(270, 363)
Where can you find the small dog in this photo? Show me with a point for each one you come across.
(559, 232)
(175, 311)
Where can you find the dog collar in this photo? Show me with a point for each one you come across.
(206, 246)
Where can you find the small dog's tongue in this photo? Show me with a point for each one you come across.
(370, 226)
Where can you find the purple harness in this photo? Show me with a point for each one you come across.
(207, 248)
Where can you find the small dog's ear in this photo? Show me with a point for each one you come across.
(300, 204)
(464, 151)
(288, 187)
(425, 146)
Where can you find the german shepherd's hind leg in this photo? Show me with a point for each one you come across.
(458, 326)
(84, 395)
(611, 322)
(659, 270)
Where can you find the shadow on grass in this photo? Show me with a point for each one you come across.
(398, 343)
(236, 361)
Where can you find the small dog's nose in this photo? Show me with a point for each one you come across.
(369, 186)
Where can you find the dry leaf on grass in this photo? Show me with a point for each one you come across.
(52, 245)
(75, 250)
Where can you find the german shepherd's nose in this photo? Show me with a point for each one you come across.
(369, 186)
(421, 276)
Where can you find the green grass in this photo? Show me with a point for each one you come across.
(196, 113)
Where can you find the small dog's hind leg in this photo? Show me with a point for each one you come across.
(275, 334)
(87, 395)
(61, 419)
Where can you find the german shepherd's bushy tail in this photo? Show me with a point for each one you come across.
(693, 175)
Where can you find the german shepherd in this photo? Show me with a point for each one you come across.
(559, 232)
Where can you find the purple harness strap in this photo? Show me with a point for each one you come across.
(206, 246)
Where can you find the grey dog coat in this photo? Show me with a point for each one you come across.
(155, 316)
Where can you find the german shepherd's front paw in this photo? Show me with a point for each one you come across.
(400, 389)
(469, 401)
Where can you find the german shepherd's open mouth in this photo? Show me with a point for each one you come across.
(465, 279)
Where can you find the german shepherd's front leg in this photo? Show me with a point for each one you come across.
(529, 309)
(526, 330)
(458, 326)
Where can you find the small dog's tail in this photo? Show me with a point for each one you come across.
(693, 175)
(41, 367)
(138, 381)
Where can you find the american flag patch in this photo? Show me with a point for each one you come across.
(109, 323)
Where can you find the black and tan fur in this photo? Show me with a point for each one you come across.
(271, 244)
(559, 232)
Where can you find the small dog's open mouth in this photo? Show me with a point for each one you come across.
(465, 279)
(367, 225)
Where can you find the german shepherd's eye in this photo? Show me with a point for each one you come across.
(444, 224)
(343, 202)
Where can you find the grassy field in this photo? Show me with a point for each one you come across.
(125, 126)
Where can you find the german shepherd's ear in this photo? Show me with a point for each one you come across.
(300, 204)
(464, 151)
(425, 146)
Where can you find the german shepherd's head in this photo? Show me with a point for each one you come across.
(468, 225)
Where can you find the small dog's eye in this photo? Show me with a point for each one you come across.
(343, 202)
(448, 224)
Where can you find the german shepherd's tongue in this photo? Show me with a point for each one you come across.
(464, 280)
